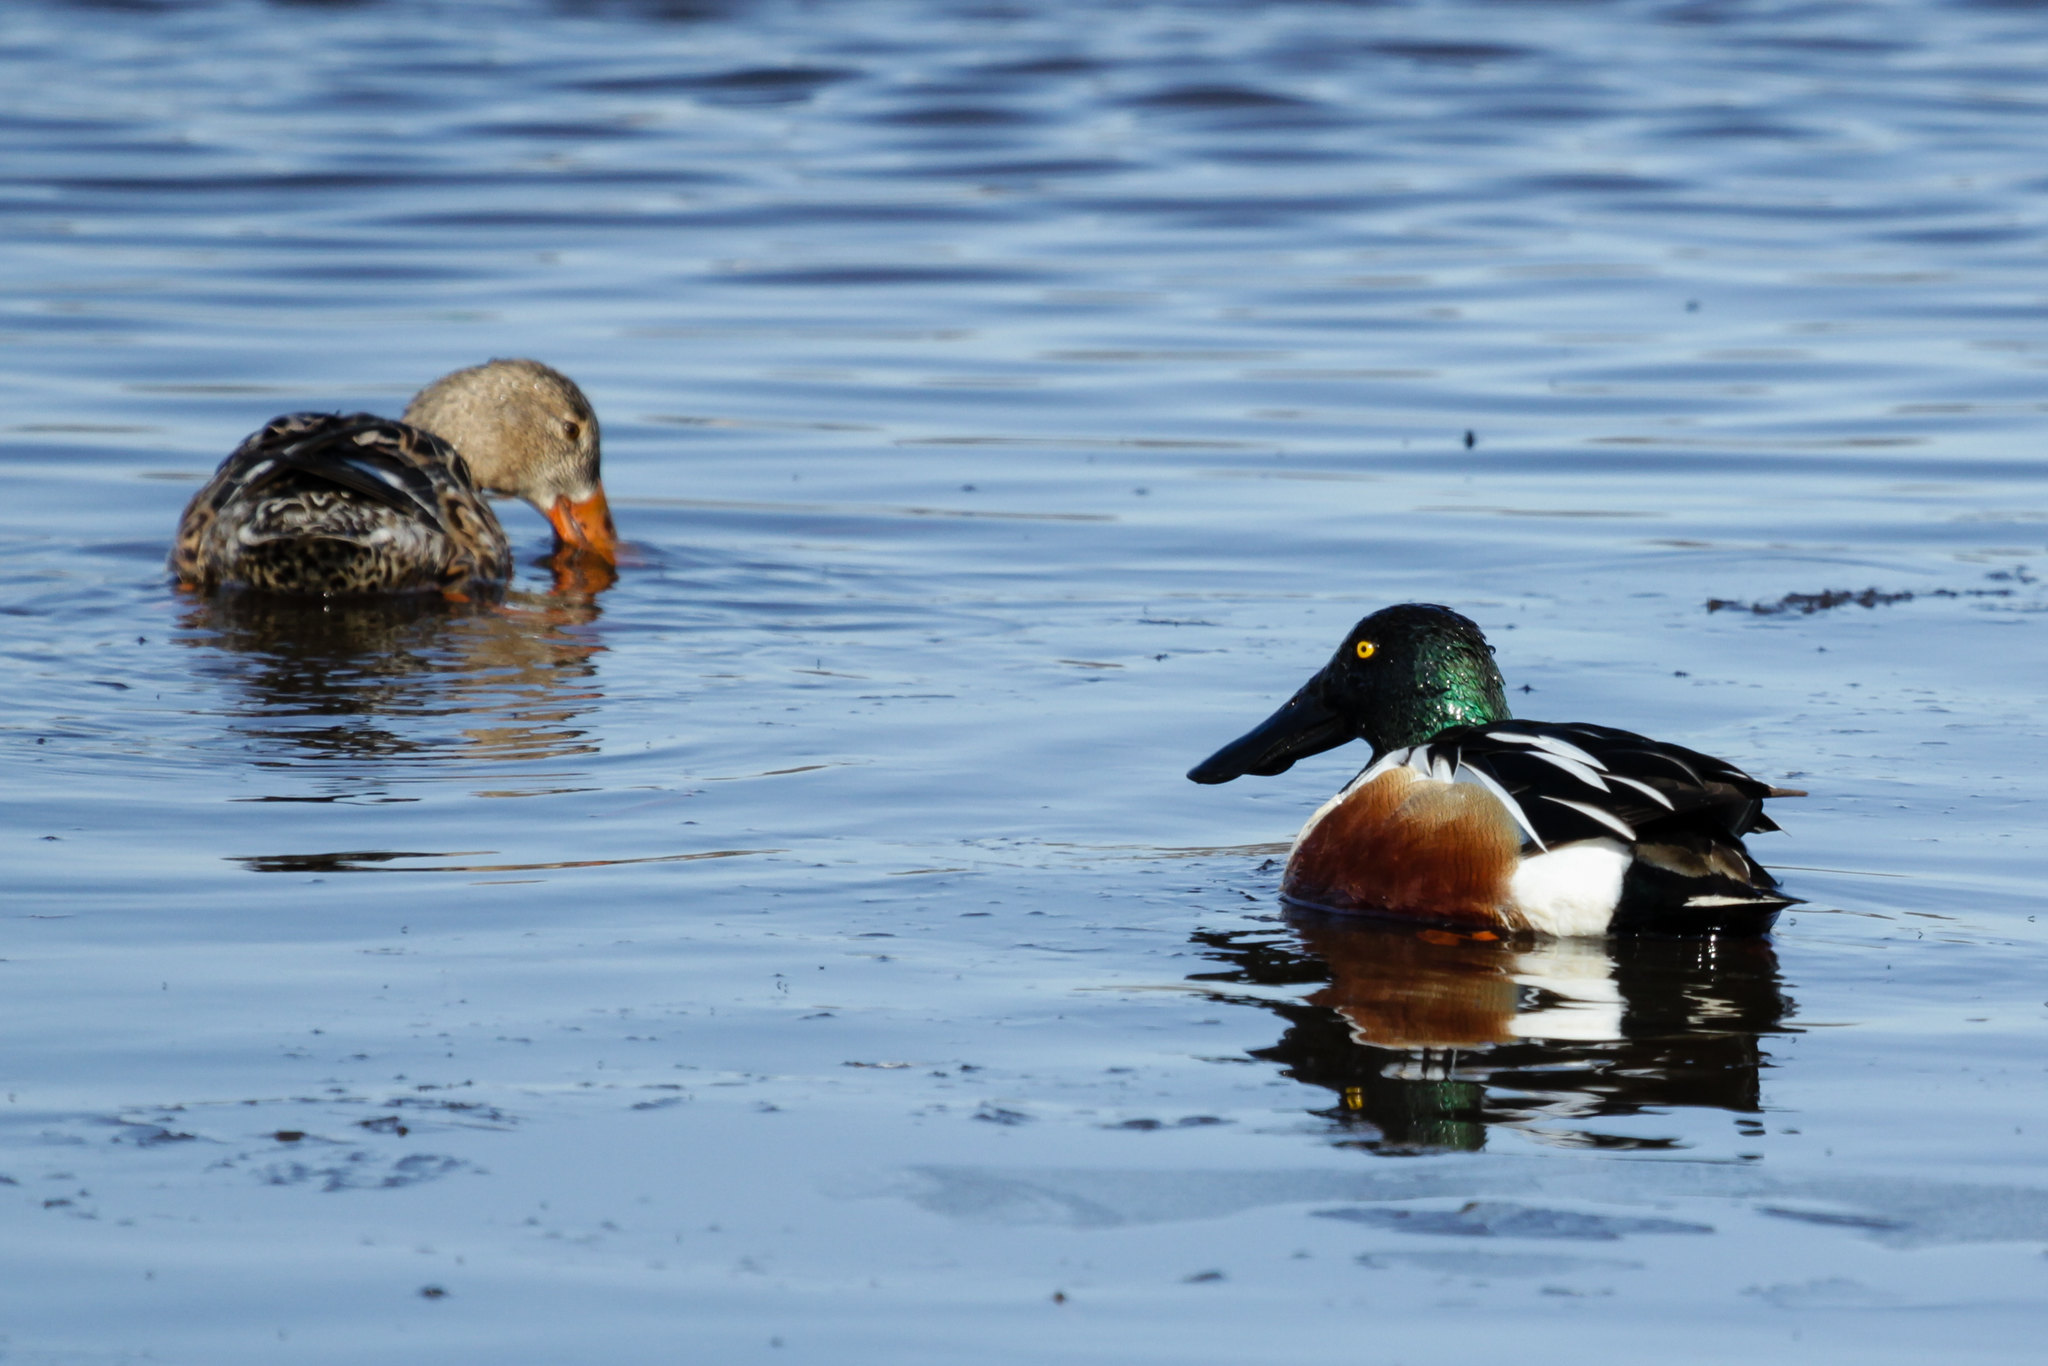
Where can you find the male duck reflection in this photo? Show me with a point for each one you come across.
(353, 503)
(1432, 1039)
(1469, 819)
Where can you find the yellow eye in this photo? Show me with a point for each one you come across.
(1366, 649)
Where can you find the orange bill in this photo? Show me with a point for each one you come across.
(586, 526)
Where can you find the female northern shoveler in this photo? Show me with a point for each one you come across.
(352, 503)
(1469, 819)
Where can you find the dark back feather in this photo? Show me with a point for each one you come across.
(1577, 781)
(384, 468)
(329, 502)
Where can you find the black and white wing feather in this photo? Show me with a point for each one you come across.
(1681, 814)
(1574, 781)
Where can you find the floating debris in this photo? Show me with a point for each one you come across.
(996, 1114)
(1809, 603)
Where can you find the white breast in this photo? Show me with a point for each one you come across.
(1572, 889)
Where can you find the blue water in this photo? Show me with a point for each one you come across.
(808, 949)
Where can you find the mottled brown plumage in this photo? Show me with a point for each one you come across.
(332, 503)
(324, 503)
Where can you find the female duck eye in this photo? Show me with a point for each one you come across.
(572, 429)
(1366, 649)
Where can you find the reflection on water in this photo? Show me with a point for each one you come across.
(404, 861)
(1429, 1039)
(354, 684)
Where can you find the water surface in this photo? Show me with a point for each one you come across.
(808, 947)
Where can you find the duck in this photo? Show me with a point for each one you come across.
(353, 503)
(1469, 819)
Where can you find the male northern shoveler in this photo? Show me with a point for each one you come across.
(1469, 819)
(352, 503)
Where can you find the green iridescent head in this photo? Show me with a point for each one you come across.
(1401, 676)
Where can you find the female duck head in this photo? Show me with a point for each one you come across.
(1402, 675)
(526, 430)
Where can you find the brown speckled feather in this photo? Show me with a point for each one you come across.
(341, 503)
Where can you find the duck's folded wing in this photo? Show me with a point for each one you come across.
(1574, 781)
(384, 461)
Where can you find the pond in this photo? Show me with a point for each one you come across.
(808, 947)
